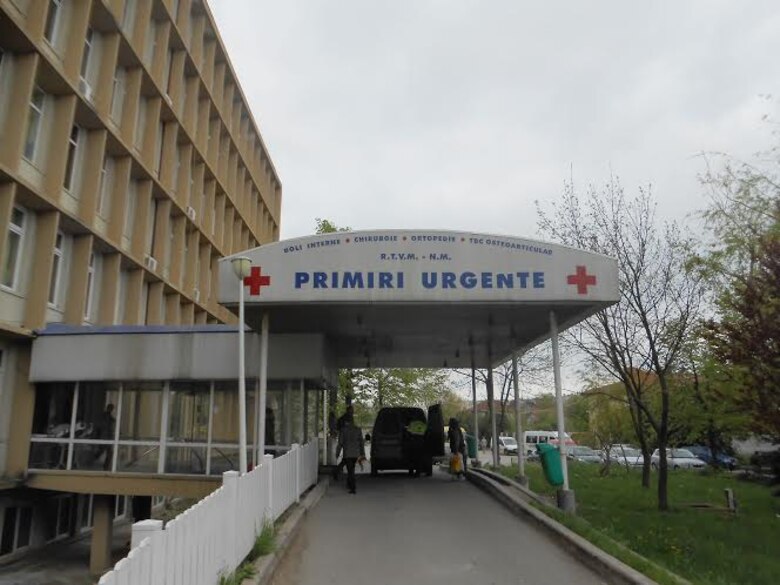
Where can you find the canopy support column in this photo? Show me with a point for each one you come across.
(304, 412)
(263, 386)
(325, 429)
(518, 426)
(474, 404)
(494, 434)
(565, 495)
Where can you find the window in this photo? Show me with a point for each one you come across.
(151, 42)
(106, 177)
(13, 252)
(118, 95)
(87, 51)
(34, 122)
(73, 146)
(128, 16)
(17, 524)
(90, 286)
(130, 203)
(52, 20)
(159, 147)
(56, 268)
(167, 71)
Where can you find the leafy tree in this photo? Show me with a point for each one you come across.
(659, 301)
(748, 338)
(325, 226)
(742, 264)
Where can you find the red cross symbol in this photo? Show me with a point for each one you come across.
(255, 281)
(582, 279)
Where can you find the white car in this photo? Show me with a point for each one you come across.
(626, 456)
(678, 459)
(507, 445)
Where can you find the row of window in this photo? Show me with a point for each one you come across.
(55, 16)
(13, 262)
(74, 162)
(59, 517)
(119, 427)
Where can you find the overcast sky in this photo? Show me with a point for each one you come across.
(458, 115)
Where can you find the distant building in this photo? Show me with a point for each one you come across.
(129, 164)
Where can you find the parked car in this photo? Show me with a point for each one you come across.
(391, 445)
(532, 438)
(584, 454)
(507, 445)
(678, 459)
(705, 454)
(626, 456)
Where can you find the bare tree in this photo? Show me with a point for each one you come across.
(638, 340)
(533, 368)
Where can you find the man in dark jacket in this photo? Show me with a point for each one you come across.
(351, 443)
(348, 414)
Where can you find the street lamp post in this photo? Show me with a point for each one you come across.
(241, 266)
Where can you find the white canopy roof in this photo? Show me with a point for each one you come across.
(417, 298)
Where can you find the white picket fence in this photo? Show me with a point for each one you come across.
(214, 536)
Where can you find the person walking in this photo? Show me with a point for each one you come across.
(104, 429)
(457, 443)
(351, 443)
(342, 420)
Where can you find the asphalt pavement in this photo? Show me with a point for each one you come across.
(422, 531)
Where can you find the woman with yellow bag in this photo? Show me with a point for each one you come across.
(458, 449)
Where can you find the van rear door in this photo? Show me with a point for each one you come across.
(434, 433)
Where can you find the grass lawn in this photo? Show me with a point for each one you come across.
(704, 546)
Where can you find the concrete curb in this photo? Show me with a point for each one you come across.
(265, 566)
(612, 569)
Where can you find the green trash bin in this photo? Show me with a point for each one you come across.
(471, 446)
(551, 463)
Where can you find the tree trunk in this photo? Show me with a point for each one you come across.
(663, 438)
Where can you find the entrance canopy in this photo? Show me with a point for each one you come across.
(404, 298)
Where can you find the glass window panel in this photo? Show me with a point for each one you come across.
(25, 525)
(52, 412)
(51, 20)
(138, 458)
(9, 531)
(17, 217)
(51, 512)
(73, 145)
(87, 51)
(141, 412)
(224, 425)
(96, 412)
(274, 418)
(190, 460)
(11, 259)
(92, 457)
(223, 459)
(188, 412)
(48, 455)
(63, 522)
(55, 275)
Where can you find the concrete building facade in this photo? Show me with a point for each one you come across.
(129, 164)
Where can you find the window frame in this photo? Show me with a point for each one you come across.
(90, 286)
(58, 257)
(85, 57)
(20, 231)
(106, 177)
(37, 110)
(74, 140)
(53, 21)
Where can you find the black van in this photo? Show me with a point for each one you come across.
(391, 445)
